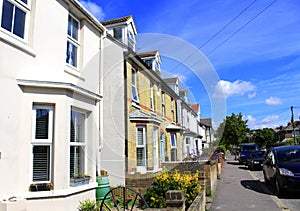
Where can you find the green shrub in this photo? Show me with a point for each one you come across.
(164, 181)
(88, 205)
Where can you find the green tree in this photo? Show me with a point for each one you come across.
(263, 137)
(233, 130)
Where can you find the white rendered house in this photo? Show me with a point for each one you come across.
(51, 114)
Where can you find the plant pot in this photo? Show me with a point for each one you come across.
(41, 187)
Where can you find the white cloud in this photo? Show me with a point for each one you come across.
(267, 122)
(94, 9)
(226, 89)
(270, 119)
(273, 101)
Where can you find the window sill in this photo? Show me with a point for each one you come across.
(153, 113)
(62, 193)
(16, 42)
(135, 104)
(73, 71)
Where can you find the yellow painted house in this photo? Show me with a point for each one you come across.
(152, 135)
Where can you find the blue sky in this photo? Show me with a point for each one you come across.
(252, 45)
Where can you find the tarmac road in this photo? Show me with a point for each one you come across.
(238, 189)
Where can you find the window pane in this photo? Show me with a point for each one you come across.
(77, 127)
(71, 57)
(140, 157)
(133, 77)
(173, 154)
(25, 1)
(140, 136)
(19, 22)
(76, 161)
(41, 163)
(134, 94)
(42, 124)
(7, 15)
(173, 141)
(73, 28)
(70, 26)
(118, 33)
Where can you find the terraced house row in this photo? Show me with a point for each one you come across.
(78, 99)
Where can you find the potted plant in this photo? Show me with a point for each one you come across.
(78, 180)
(41, 186)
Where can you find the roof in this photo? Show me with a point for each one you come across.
(140, 116)
(188, 132)
(126, 19)
(173, 127)
(148, 54)
(171, 80)
(195, 107)
(117, 20)
(206, 121)
(182, 91)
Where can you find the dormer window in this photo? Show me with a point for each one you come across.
(131, 40)
(118, 33)
(157, 66)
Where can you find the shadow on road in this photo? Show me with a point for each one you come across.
(233, 163)
(256, 186)
(261, 187)
(285, 195)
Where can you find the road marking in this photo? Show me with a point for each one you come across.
(278, 202)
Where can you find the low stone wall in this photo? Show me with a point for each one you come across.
(139, 182)
(184, 166)
(199, 202)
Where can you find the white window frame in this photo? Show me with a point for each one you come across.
(42, 142)
(134, 85)
(131, 40)
(25, 7)
(155, 148)
(152, 106)
(173, 147)
(141, 146)
(172, 110)
(81, 144)
(74, 42)
(163, 106)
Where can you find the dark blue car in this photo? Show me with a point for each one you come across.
(245, 150)
(256, 159)
(281, 168)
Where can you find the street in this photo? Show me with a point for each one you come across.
(242, 189)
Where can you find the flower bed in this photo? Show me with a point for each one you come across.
(165, 180)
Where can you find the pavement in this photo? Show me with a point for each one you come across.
(237, 189)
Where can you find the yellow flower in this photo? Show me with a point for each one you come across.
(152, 198)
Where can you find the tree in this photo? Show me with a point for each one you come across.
(264, 137)
(233, 131)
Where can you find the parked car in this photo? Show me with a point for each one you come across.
(281, 168)
(245, 150)
(256, 159)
